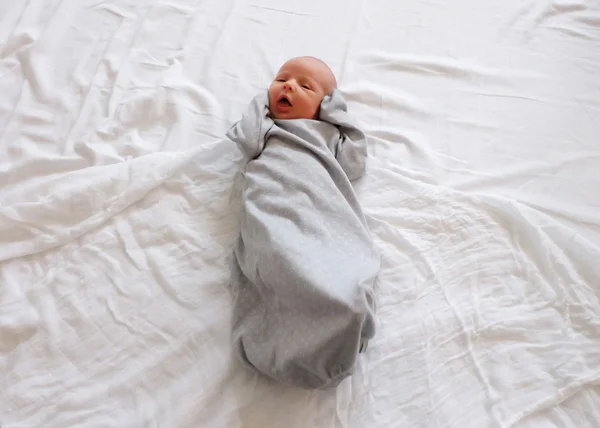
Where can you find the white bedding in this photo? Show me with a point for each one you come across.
(118, 210)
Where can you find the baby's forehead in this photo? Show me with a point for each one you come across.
(298, 66)
(308, 67)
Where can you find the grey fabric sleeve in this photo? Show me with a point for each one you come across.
(250, 131)
(351, 151)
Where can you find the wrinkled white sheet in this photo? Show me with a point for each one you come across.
(118, 210)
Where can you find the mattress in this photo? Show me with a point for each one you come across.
(120, 202)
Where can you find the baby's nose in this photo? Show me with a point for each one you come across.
(288, 86)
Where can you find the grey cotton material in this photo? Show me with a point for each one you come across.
(304, 265)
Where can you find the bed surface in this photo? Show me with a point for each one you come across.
(118, 210)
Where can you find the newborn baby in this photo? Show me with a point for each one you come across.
(304, 265)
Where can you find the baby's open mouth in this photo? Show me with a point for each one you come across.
(283, 101)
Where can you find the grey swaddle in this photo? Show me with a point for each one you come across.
(304, 266)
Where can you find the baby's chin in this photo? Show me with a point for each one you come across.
(289, 115)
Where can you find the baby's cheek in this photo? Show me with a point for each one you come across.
(271, 104)
(272, 113)
(315, 108)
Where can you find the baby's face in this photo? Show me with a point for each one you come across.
(299, 87)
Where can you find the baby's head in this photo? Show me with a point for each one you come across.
(299, 87)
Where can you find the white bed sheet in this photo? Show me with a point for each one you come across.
(118, 210)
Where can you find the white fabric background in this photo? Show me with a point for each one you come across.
(118, 210)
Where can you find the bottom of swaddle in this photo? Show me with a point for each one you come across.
(313, 346)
